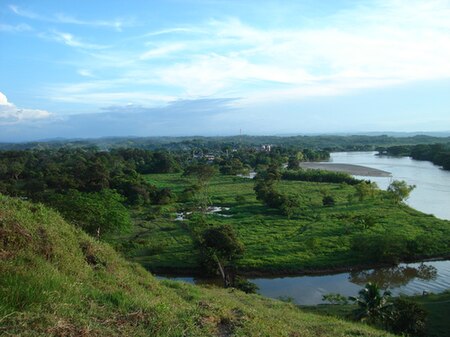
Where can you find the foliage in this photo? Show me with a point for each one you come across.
(220, 245)
(320, 176)
(400, 190)
(407, 318)
(35, 174)
(202, 173)
(98, 213)
(293, 163)
(438, 153)
(245, 285)
(373, 305)
(365, 189)
(335, 298)
(328, 200)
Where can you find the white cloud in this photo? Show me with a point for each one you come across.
(62, 18)
(375, 44)
(85, 73)
(118, 24)
(10, 114)
(162, 51)
(24, 13)
(72, 41)
(22, 27)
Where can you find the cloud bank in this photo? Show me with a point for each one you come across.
(10, 114)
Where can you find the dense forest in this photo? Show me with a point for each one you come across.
(438, 154)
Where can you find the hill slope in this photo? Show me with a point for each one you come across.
(58, 281)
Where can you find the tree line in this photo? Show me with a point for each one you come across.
(438, 154)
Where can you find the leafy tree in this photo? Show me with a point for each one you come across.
(293, 163)
(221, 248)
(373, 306)
(400, 190)
(365, 189)
(164, 196)
(202, 174)
(98, 213)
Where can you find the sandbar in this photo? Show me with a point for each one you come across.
(356, 170)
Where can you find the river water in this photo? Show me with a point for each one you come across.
(432, 192)
(431, 195)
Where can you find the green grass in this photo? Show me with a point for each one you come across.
(57, 281)
(316, 237)
(438, 308)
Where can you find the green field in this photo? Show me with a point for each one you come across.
(350, 233)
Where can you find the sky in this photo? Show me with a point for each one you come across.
(78, 69)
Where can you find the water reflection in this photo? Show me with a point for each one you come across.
(394, 277)
(408, 279)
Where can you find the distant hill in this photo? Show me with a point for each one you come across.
(326, 141)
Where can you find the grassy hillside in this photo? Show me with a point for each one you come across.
(352, 232)
(57, 281)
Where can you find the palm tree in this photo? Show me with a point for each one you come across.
(372, 305)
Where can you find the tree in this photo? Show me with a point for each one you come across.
(400, 190)
(202, 174)
(373, 306)
(365, 189)
(293, 163)
(220, 247)
(98, 213)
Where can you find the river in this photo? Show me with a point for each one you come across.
(432, 192)
(431, 195)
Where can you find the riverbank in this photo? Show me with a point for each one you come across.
(277, 273)
(356, 170)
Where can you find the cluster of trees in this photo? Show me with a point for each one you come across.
(376, 307)
(401, 316)
(86, 185)
(320, 176)
(267, 192)
(393, 248)
(438, 154)
(240, 161)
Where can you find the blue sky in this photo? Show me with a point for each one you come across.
(207, 67)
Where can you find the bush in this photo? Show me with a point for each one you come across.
(407, 318)
(245, 285)
(328, 200)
